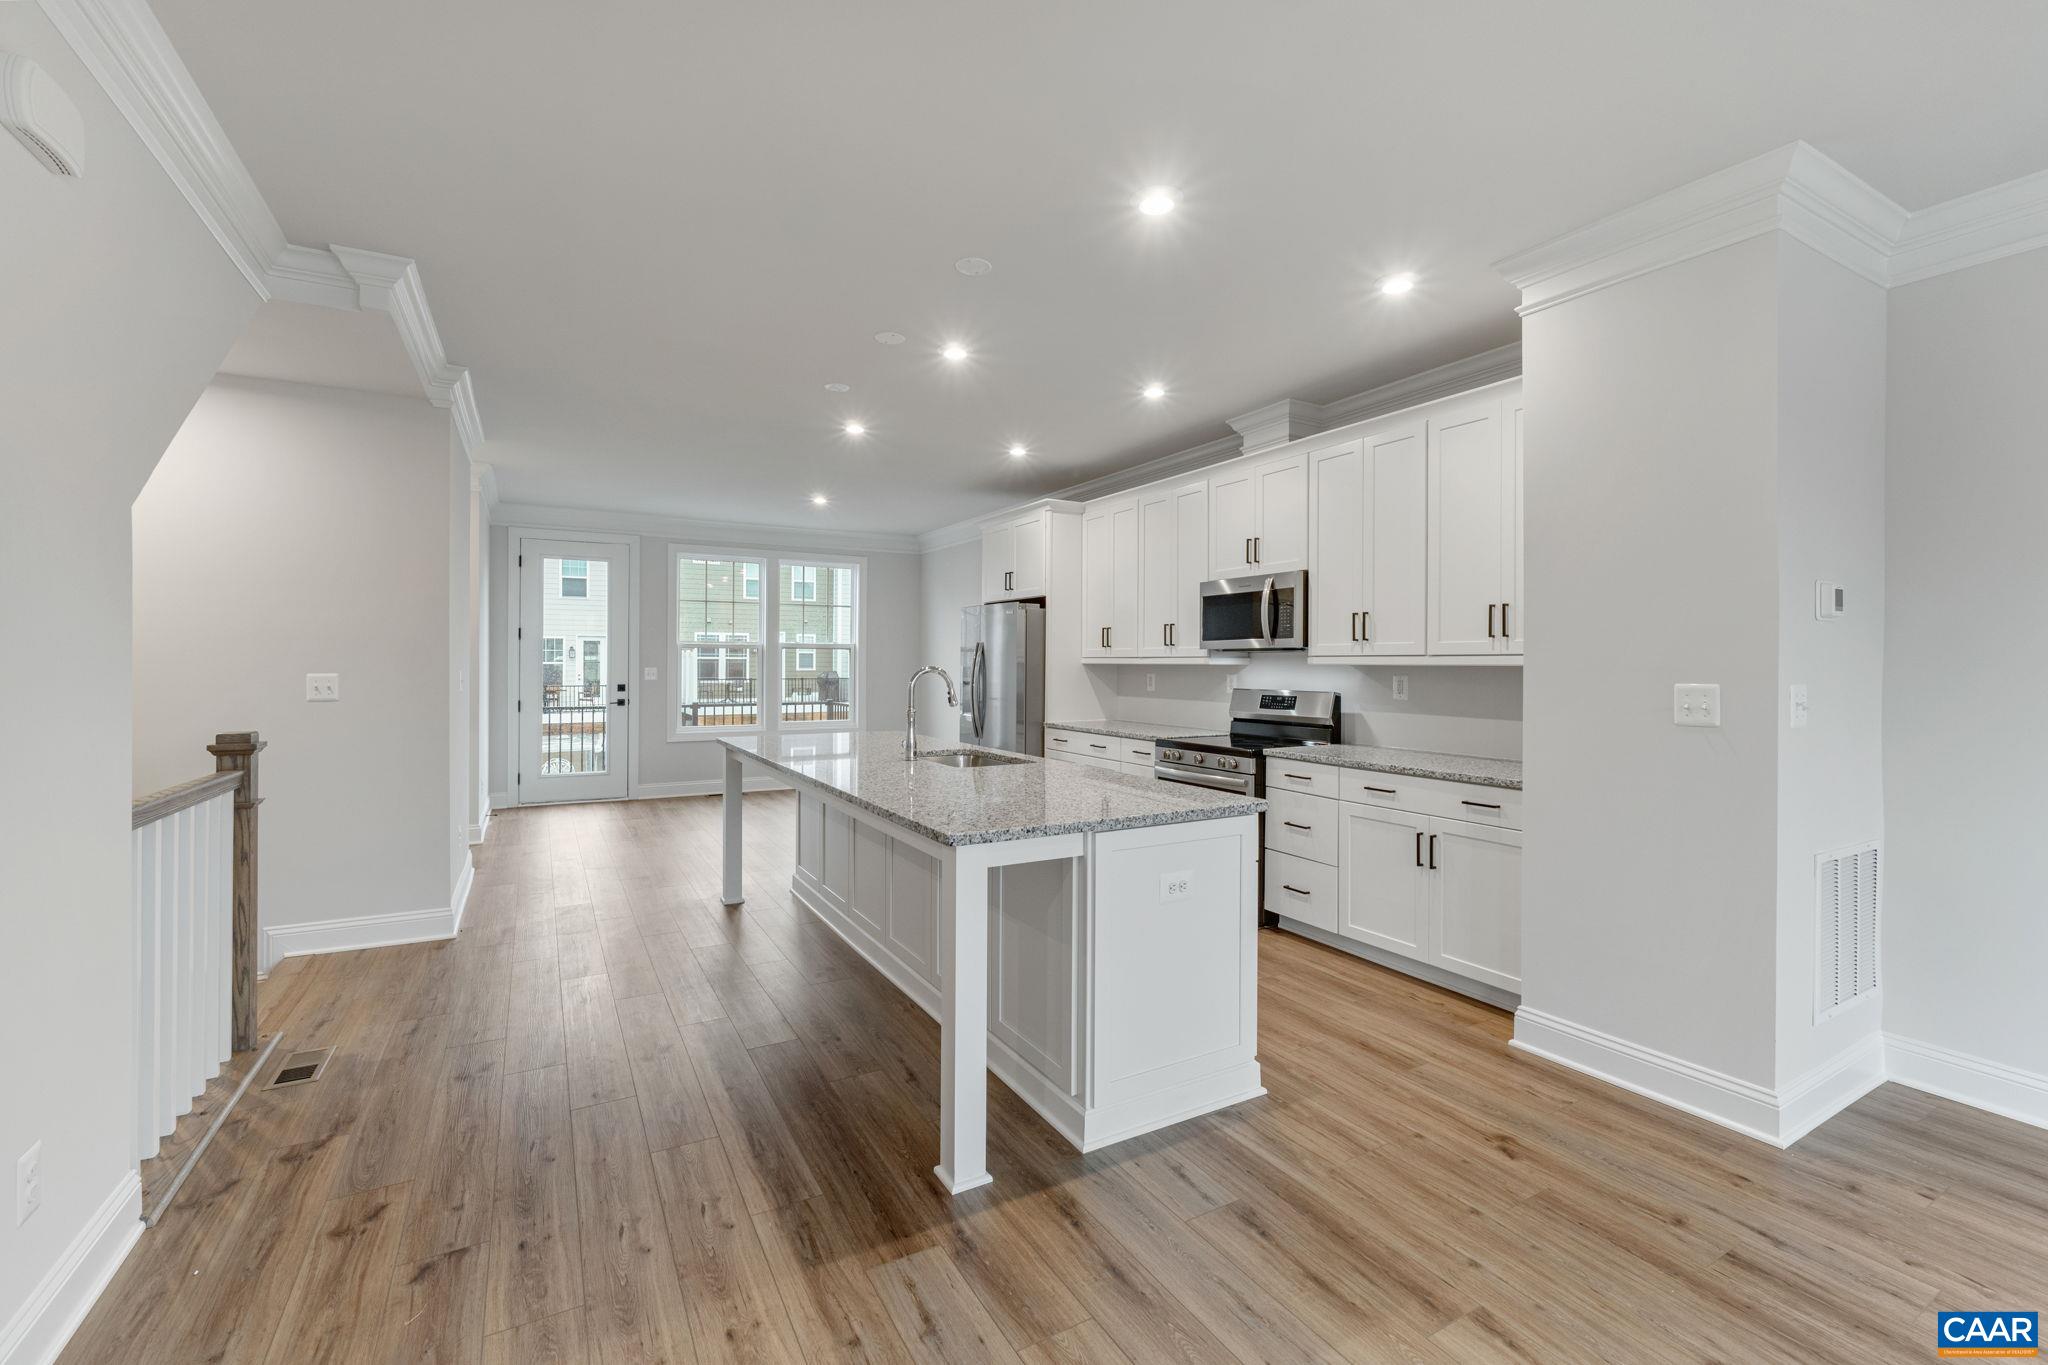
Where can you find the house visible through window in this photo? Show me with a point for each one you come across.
(750, 582)
(803, 583)
(817, 628)
(719, 634)
(593, 666)
(551, 661)
(724, 620)
(575, 578)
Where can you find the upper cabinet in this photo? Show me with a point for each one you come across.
(1109, 581)
(1013, 556)
(1258, 517)
(1173, 549)
(1474, 529)
(1369, 519)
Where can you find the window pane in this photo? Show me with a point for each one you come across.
(575, 623)
(817, 604)
(719, 627)
(817, 684)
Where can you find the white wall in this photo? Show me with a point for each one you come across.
(118, 305)
(890, 646)
(951, 579)
(1649, 875)
(293, 529)
(1966, 577)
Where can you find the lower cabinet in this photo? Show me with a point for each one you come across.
(1442, 892)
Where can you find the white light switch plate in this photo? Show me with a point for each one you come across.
(323, 687)
(28, 1184)
(1797, 717)
(648, 675)
(1696, 704)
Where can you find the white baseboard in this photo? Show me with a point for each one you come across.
(39, 1329)
(1975, 1081)
(1463, 985)
(356, 932)
(478, 831)
(459, 900)
(1746, 1107)
(709, 786)
(500, 800)
(1829, 1088)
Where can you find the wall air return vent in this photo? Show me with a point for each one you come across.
(37, 111)
(1846, 929)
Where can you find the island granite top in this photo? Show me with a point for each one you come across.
(982, 805)
(1484, 772)
(1133, 729)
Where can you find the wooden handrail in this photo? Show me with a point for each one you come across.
(236, 752)
(147, 810)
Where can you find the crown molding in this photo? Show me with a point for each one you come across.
(1278, 423)
(750, 535)
(127, 51)
(1801, 192)
(1496, 366)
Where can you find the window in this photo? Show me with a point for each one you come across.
(593, 667)
(719, 635)
(818, 612)
(551, 661)
(575, 578)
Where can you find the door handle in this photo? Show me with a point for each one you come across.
(1432, 853)
(620, 702)
(1491, 609)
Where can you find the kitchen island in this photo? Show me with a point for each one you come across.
(1088, 936)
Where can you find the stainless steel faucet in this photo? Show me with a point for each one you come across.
(910, 705)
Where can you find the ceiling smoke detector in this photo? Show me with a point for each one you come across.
(891, 338)
(839, 388)
(973, 265)
(37, 111)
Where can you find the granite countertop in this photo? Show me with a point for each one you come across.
(1134, 729)
(1484, 772)
(983, 805)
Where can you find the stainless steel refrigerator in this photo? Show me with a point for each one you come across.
(1002, 671)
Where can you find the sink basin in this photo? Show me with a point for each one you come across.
(970, 758)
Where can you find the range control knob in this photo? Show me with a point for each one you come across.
(1229, 763)
(1170, 755)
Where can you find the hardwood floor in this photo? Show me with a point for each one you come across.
(618, 1122)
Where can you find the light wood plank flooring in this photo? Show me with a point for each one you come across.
(618, 1122)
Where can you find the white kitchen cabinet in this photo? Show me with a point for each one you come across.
(1109, 581)
(1173, 549)
(1258, 517)
(1369, 519)
(1476, 902)
(1014, 553)
(1472, 529)
(1386, 882)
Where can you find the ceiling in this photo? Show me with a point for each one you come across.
(655, 232)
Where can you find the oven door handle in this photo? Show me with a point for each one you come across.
(1266, 612)
(1242, 785)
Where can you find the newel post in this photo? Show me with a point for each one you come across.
(231, 753)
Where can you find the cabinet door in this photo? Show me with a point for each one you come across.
(1386, 886)
(1098, 586)
(1469, 498)
(1477, 902)
(1124, 638)
(1280, 536)
(1027, 556)
(1516, 609)
(1158, 561)
(1397, 546)
(1190, 567)
(996, 562)
(1339, 590)
(1233, 516)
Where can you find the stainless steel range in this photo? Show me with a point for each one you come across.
(1261, 719)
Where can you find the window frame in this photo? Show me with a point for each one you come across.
(729, 644)
(563, 579)
(769, 669)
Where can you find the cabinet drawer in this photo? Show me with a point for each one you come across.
(1310, 779)
(1134, 751)
(1305, 826)
(1068, 742)
(1301, 890)
(1428, 796)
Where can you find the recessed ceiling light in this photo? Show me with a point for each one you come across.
(855, 429)
(1157, 201)
(838, 388)
(1397, 284)
(1020, 450)
(819, 499)
(954, 351)
(973, 265)
(890, 338)
(1155, 391)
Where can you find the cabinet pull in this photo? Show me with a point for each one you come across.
(1295, 889)
(1418, 848)
(1354, 627)
(1172, 634)
(1365, 626)
(1505, 633)
(1058, 740)
(1098, 746)
(1432, 853)
(1482, 805)
(1291, 825)
(1296, 777)
(1256, 548)
(1383, 791)
(1492, 609)
(1247, 549)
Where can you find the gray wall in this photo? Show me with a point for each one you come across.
(344, 558)
(1965, 753)
(951, 580)
(119, 306)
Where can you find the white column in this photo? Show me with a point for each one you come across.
(963, 1020)
(732, 894)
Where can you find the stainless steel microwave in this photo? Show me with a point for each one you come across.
(1258, 611)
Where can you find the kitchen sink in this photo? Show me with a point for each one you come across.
(972, 758)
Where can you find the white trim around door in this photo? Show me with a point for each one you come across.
(528, 548)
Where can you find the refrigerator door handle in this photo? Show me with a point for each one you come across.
(977, 683)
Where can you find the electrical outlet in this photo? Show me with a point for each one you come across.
(1400, 687)
(1696, 704)
(1797, 717)
(649, 675)
(1151, 681)
(1176, 886)
(28, 1184)
(323, 687)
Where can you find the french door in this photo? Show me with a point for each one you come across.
(574, 670)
